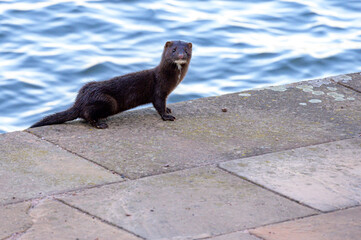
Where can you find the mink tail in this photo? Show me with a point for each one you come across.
(57, 118)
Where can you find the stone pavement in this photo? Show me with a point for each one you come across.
(280, 162)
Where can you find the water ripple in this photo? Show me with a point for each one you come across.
(49, 49)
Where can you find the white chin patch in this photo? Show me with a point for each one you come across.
(179, 62)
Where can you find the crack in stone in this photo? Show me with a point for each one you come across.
(17, 235)
(347, 86)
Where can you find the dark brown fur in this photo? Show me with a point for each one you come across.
(98, 100)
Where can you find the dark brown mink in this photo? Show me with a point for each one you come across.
(97, 100)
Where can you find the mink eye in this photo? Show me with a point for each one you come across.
(174, 49)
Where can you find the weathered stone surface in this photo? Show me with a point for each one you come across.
(31, 167)
(138, 143)
(14, 219)
(340, 225)
(136, 148)
(49, 219)
(198, 203)
(352, 81)
(235, 236)
(194, 203)
(326, 176)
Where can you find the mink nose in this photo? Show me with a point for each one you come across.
(181, 55)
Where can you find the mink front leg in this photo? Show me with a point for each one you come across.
(160, 105)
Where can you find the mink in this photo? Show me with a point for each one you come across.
(98, 100)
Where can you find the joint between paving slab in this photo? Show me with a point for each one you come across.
(17, 235)
(300, 218)
(54, 195)
(283, 221)
(254, 235)
(76, 154)
(96, 217)
(277, 193)
(237, 231)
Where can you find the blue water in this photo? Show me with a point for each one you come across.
(49, 49)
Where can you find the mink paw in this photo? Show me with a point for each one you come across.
(101, 125)
(168, 117)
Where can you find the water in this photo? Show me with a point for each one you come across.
(49, 49)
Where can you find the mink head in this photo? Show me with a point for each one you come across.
(178, 52)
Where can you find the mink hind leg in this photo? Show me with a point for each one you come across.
(95, 114)
(100, 108)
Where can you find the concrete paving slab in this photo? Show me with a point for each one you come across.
(138, 143)
(48, 219)
(260, 120)
(133, 149)
(340, 225)
(31, 168)
(352, 81)
(189, 204)
(235, 236)
(14, 219)
(326, 176)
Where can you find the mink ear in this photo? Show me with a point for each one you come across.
(190, 45)
(168, 44)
